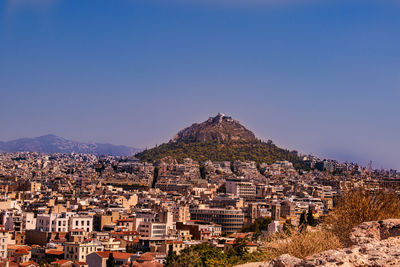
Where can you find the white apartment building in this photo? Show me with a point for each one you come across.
(149, 226)
(240, 188)
(152, 229)
(44, 222)
(53, 222)
(5, 240)
(84, 222)
(14, 220)
(63, 222)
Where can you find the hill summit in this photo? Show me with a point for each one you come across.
(220, 128)
(219, 138)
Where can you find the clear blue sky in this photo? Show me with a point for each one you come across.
(319, 76)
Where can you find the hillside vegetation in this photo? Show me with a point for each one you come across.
(258, 151)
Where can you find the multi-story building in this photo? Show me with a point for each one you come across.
(99, 259)
(100, 220)
(17, 221)
(128, 224)
(241, 188)
(77, 251)
(5, 240)
(84, 222)
(53, 222)
(230, 219)
(152, 229)
(181, 213)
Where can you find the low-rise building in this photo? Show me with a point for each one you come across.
(77, 251)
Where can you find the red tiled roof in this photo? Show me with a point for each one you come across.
(146, 260)
(55, 252)
(59, 262)
(124, 233)
(28, 263)
(21, 251)
(239, 235)
(117, 255)
(145, 257)
(248, 243)
(15, 247)
(81, 263)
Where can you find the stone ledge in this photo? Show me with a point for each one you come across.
(374, 244)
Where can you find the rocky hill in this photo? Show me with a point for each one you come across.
(49, 144)
(220, 138)
(220, 128)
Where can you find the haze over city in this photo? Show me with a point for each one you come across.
(321, 77)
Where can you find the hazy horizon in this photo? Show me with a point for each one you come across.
(320, 77)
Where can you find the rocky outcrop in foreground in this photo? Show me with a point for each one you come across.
(374, 244)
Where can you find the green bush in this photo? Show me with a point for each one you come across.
(258, 151)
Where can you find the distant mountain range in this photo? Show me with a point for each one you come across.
(220, 138)
(49, 144)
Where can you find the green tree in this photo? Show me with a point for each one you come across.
(197, 256)
(155, 177)
(240, 247)
(302, 219)
(110, 261)
(171, 259)
(203, 172)
(259, 225)
(310, 217)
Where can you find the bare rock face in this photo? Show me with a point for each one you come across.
(375, 231)
(219, 128)
(285, 260)
(374, 244)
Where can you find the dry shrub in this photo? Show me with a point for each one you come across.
(359, 206)
(300, 244)
(353, 208)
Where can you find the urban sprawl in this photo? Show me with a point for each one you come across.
(77, 209)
